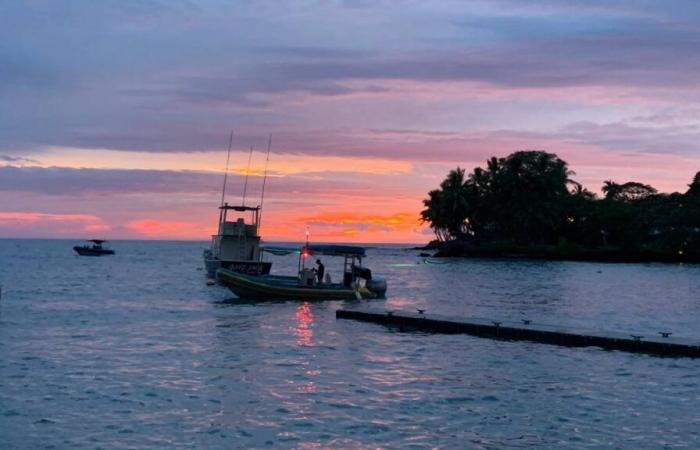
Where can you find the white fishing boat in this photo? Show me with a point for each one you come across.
(236, 245)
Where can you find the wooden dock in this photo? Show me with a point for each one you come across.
(662, 343)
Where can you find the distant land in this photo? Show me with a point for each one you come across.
(527, 205)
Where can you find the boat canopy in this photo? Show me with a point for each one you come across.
(334, 250)
(318, 249)
(98, 241)
(281, 251)
(239, 207)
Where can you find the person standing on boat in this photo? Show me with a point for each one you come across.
(320, 271)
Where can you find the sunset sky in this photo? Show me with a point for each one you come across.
(115, 114)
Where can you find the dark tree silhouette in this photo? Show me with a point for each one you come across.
(528, 200)
(629, 191)
(694, 187)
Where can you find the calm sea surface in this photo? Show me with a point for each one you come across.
(135, 351)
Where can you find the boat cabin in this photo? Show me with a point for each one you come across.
(96, 243)
(94, 247)
(237, 239)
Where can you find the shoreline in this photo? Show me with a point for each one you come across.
(559, 253)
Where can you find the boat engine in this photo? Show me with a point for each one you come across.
(377, 285)
(361, 272)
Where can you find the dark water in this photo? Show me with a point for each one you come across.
(135, 351)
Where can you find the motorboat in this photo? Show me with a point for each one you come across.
(236, 246)
(94, 248)
(357, 283)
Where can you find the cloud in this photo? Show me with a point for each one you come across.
(683, 9)
(353, 219)
(37, 224)
(154, 228)
(70, 181)
(18, 159)
(610, 85)
(162, 76)
(349, 224)
(660, 139)
(55, 181)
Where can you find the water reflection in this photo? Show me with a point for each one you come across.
(303, 330)
(144, 359)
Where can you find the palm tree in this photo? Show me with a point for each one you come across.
(694, 187)
(528, 195)
(455, 202)
(610, 189)
(433, 213)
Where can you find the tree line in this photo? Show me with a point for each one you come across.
(528, 201)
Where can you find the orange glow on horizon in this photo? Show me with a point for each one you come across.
(60, 223)
(153, 228)
(280, 163)
(349, 227)
(398, 221)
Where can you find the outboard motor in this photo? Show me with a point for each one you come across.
(361, 272)
(377, 286)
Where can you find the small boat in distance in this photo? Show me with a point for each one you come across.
(357, 282)
(95, 249)
(236, 246)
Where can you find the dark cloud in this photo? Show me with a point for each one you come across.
(18, 159)
(678, 10)
(62, 181)
(670, 139)
(21, 72)
(69, 181)
(162, 76)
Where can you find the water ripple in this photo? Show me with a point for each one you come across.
(137, 352)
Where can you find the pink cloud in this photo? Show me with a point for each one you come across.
(169, 229)
(36, 224)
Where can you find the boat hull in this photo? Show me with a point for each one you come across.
(287, 288)
(246, 267)
(87, 251)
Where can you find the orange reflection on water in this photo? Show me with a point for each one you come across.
(304, 320)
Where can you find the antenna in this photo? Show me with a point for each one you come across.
(228, 156)
(247, 171)
(262, 192)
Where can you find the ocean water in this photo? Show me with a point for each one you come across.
(136, 351)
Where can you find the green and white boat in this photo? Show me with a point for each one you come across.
(358, 282)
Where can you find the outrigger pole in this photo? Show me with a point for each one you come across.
(247, 171)
(262, 192)
(228, 156)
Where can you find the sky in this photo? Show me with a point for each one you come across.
(115, 114)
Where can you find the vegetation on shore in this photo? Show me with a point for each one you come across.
(527, 204)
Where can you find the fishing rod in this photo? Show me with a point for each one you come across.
(228, 157)
(262, 192)
(247, 171)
